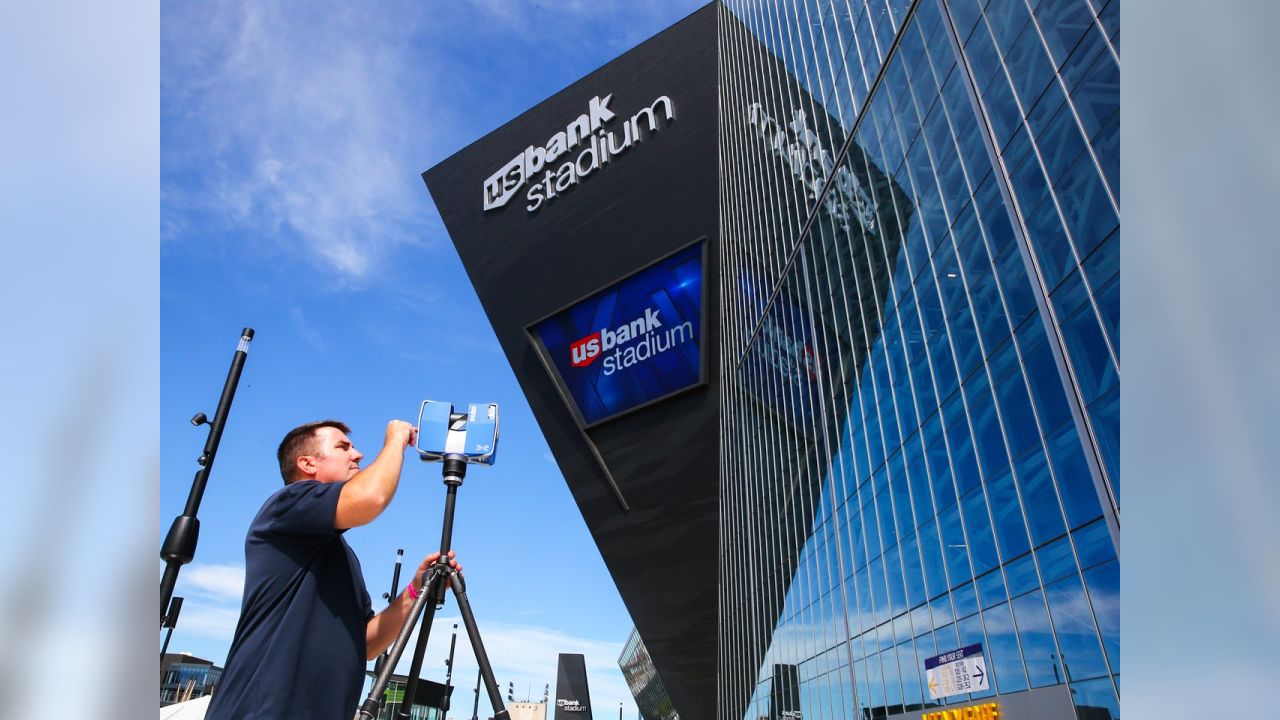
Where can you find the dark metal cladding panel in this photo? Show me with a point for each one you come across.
(650, 200)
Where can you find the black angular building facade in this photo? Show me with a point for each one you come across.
(888, 482)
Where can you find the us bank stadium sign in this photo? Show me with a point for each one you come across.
(632, 343)
(592, 132)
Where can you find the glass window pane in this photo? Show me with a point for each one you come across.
(893, 573)
(912, 689)
(1042, 376)
(1002, 650)
(1056, 560)
(991, 589)
(940, 608)
(912, 572)
(1106, 424)
(1097, 698)
(1010, 529)
(1093, 543)
(1020, 575)
(1104, 593)
(954, 548)
(965, 600)
(1037, 640)
(986, 426)
(982, 546)
(1019, 422)
(931, 554)
(970, 633)
(1072, 473)
(1044, 514)
(1077, 636)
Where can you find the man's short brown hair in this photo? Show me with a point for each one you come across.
(301, 441)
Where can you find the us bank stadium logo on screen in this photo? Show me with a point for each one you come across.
(635, 342)
(632, 343)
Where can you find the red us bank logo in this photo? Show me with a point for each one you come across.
(585, 351)
(639, 337)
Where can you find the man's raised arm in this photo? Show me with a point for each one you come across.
(369, 491)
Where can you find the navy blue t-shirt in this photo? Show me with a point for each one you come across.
(299, 648)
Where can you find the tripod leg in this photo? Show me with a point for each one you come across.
(368, 710)
(430, 590)
(482, 658)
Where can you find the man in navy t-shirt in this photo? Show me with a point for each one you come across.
(307, 626)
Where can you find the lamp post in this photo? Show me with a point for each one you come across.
(395, 585)
(448, 664)
(179, 547)
(170, 621)
(448, 675)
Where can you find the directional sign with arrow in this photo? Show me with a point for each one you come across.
(956, 672)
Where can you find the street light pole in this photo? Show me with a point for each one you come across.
(453, 642)
(395, 586)
(170, 622)
(179, 547)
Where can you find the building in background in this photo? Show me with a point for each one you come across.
(186, 677)
(643, 681)
(526, 710)
(431, 699)
(920, 361)
(817, 305)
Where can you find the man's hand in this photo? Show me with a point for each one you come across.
(427, 563)
(400, 435)
(382, 628)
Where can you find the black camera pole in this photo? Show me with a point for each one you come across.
(180, 544)
(390, 597)
(437, 577)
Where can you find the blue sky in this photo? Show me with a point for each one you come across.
(94, 482)
(292, 141)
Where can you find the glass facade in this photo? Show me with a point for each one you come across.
(643, 681)
(920, 368)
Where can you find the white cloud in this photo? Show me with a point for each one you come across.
(294, 128)
(208, 621)
(220, 582)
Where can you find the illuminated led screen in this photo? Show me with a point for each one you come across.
(634, 342)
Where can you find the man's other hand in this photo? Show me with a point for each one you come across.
(428, 562)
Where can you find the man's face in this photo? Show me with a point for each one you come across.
(335, 458)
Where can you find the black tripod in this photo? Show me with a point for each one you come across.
(436, 578)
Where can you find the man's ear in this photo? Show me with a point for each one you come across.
(307, 465)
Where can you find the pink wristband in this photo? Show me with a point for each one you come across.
(413, 594)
